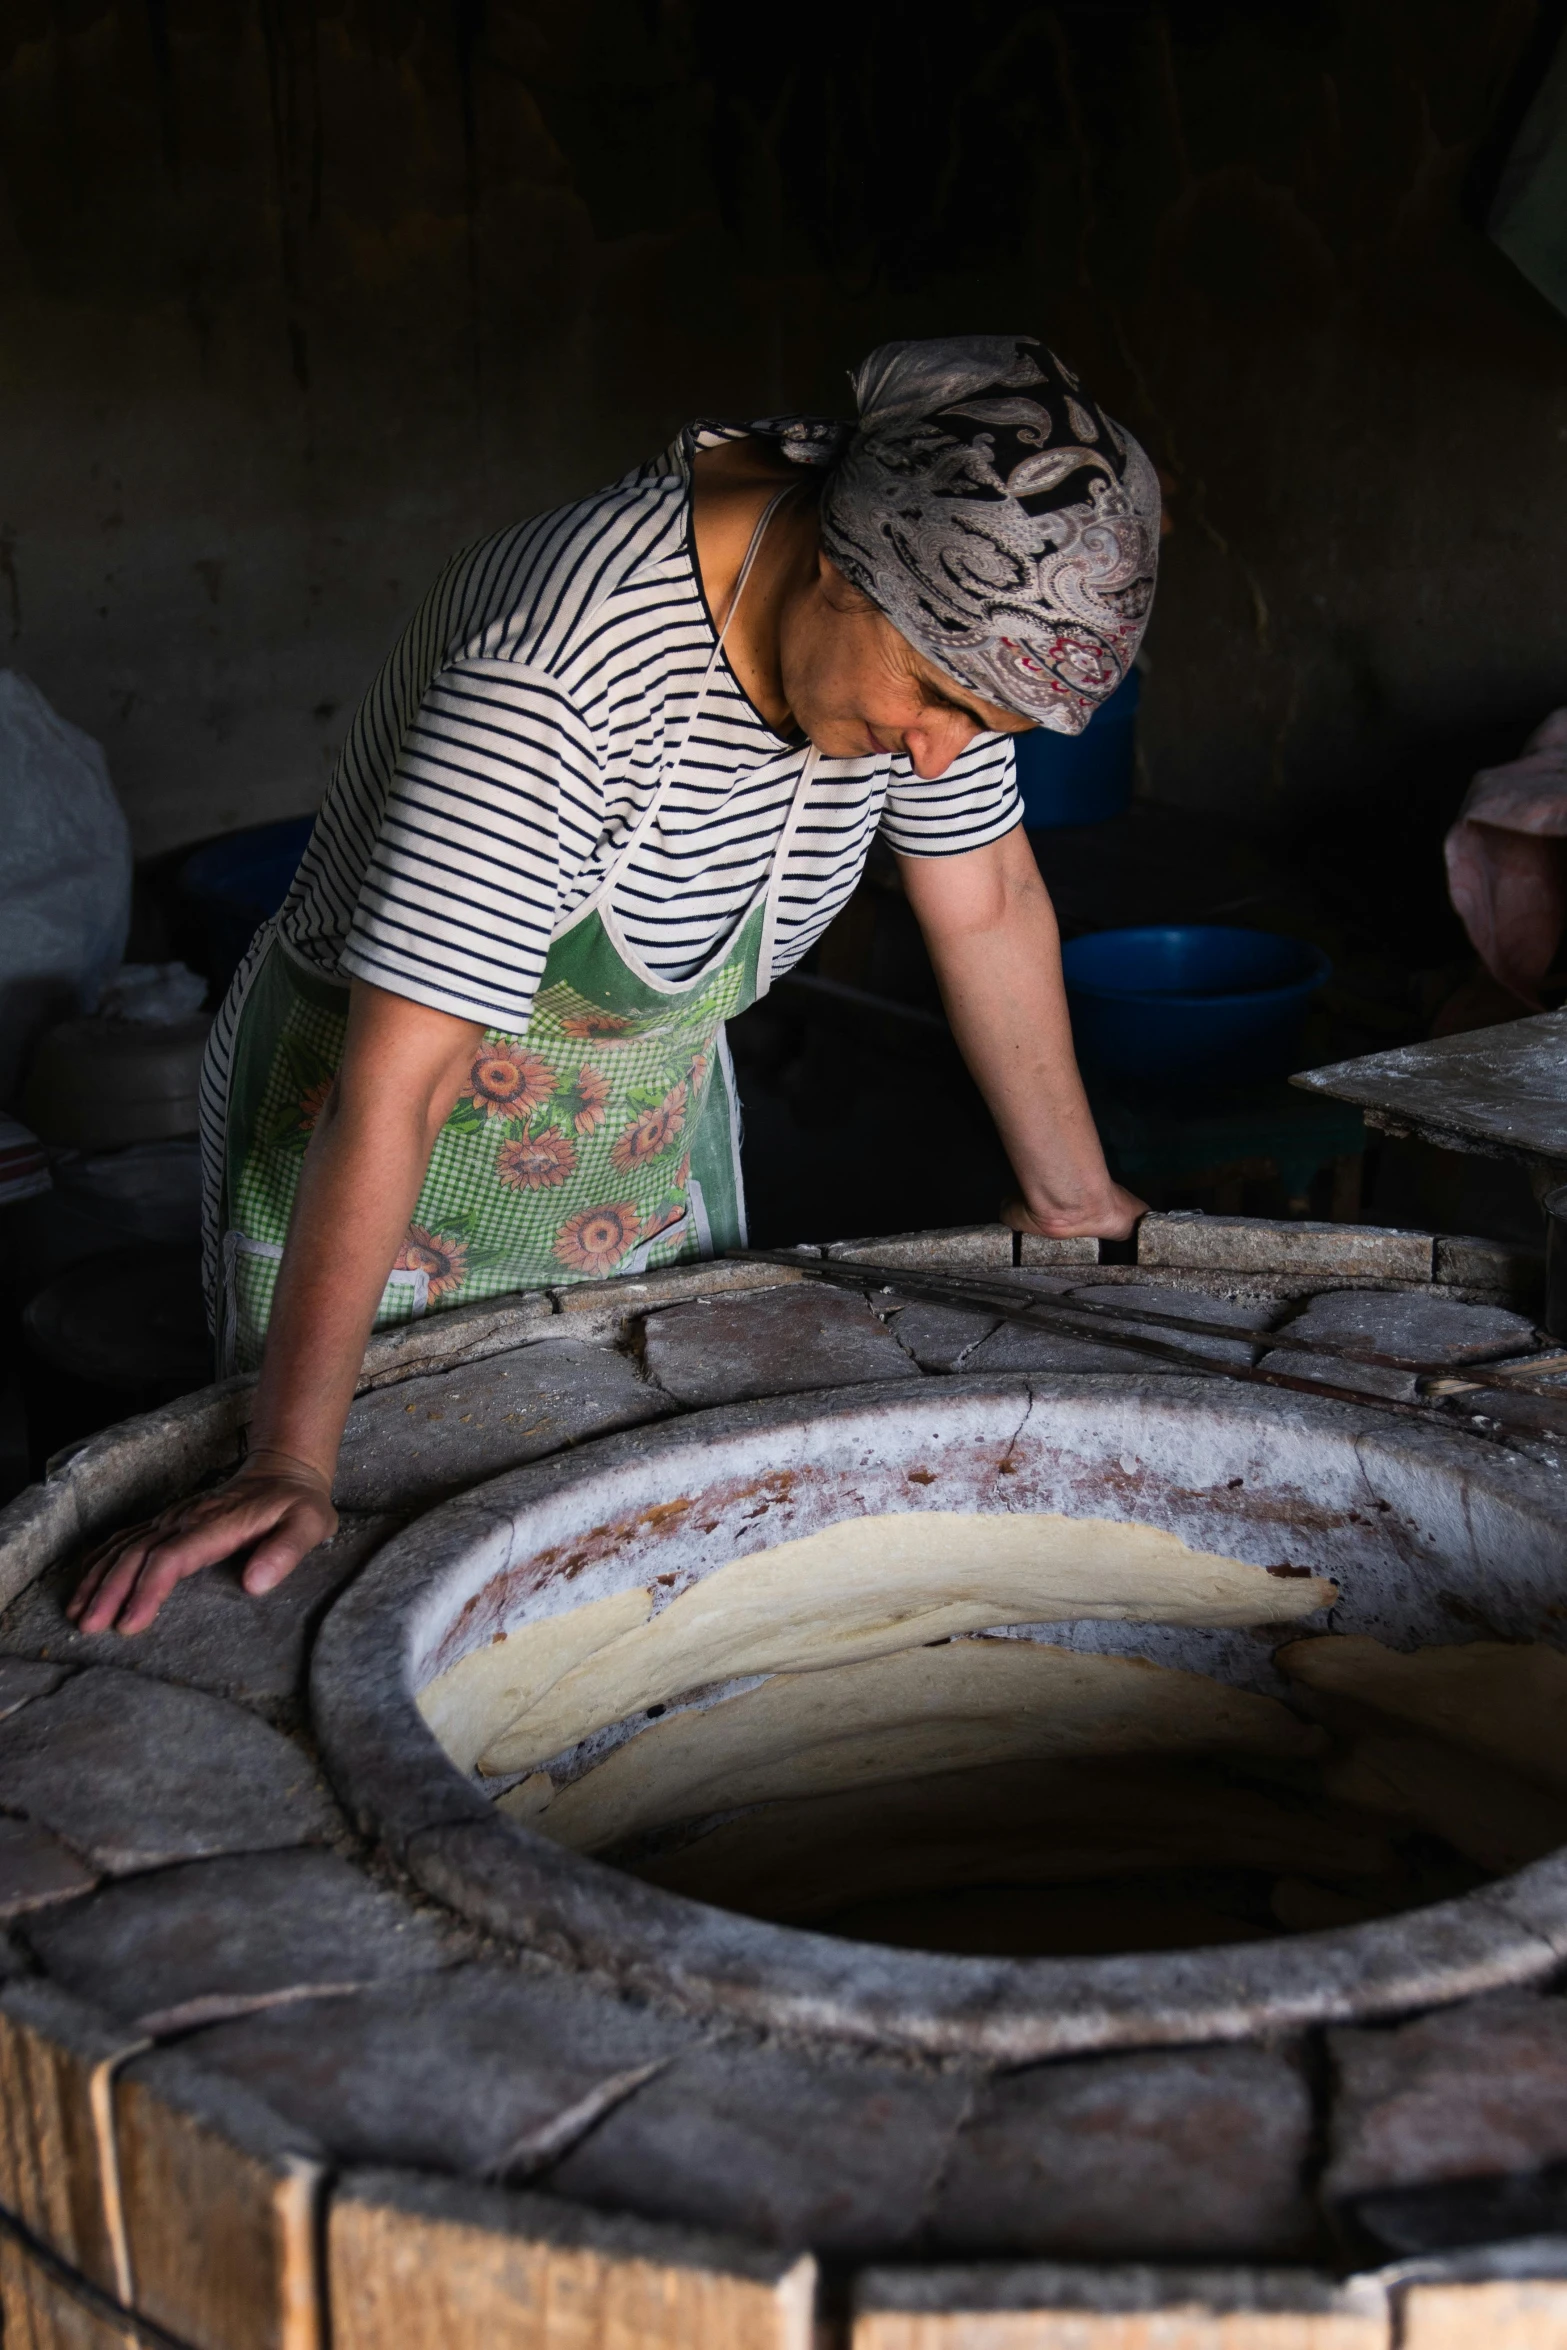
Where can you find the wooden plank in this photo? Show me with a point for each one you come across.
(221, 2203)
(1498, 2313)
(419, 2263)
(175, 2193)
(1122, 2307)
(1501, 1091)
(56, 2056)
(1162, 2329)
(39, 2312)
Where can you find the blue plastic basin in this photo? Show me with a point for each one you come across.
(236, 883)
(1193, 1004)
(1081, 778)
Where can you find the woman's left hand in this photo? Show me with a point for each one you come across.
(1113, 1216)
(274, 1510)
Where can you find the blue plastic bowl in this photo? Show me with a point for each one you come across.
(1191, 1005)
(1081, 778)
(236, 883)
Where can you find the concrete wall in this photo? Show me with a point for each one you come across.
(298, 295)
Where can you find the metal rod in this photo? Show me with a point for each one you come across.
(974, 1289)
(1068, 1320)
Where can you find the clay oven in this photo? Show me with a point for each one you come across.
(781, 1807)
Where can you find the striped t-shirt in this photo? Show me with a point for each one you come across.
(516, 734)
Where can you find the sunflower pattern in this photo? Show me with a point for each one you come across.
(540, 1164)
(506, 1082)
(595, 1240)
(601, 1025)
(567, 1156)
(442, 1256)
(586, 1099)
(652, 1132)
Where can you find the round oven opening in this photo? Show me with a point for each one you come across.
(800, 1699)
(854, 1730)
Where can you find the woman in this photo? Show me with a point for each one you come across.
(622, 770)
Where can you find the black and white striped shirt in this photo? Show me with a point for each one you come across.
(517, 732)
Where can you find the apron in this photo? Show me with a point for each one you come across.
(603, 1139)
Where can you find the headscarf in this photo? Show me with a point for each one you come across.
(1002, 522)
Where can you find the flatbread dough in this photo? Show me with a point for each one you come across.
(869, 1587)
(1013, 1823)
(1503, 1699)
(967, 1703)
(492, 1684)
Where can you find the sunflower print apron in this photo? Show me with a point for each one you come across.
(604, 1139)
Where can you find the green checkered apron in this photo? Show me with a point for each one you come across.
(603, 1139)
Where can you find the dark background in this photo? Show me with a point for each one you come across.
(298, 297)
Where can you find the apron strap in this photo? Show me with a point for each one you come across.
(674, 766)
(775, 872)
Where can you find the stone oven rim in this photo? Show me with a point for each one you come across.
(406, 1792)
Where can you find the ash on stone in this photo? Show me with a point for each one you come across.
(940, 1338)
(208, 1938)
(1413, 1330)
(1191, 1304)
(1472, 2092)
(1193, 2153)
(23, 1678)
(459, 2072)
(843, 2158)
(211, 1634)
(1333, 1371)
(420, 1440)
(37, 1869)
(1431, 1333)
(944, 1337)
(1017, 1347)
(134, 1773)
(777, 1342)
(1023, 1346)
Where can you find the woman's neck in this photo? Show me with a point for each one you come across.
(731, 488)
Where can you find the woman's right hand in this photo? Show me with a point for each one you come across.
(276, 1507)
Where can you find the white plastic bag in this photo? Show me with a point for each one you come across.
(65, 873)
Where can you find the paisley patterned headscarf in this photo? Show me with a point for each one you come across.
(1002, 522)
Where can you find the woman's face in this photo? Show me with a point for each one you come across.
(856, 686)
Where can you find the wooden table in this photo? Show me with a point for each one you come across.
(1501, 1092)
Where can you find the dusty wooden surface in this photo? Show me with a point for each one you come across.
(428, 2265)
(1501, 1091)
(1129, 2308)
(43, 2309)
(220, 2202)
(1499, 2314)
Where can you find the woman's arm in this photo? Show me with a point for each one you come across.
(992, 936)
(403, 1065)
